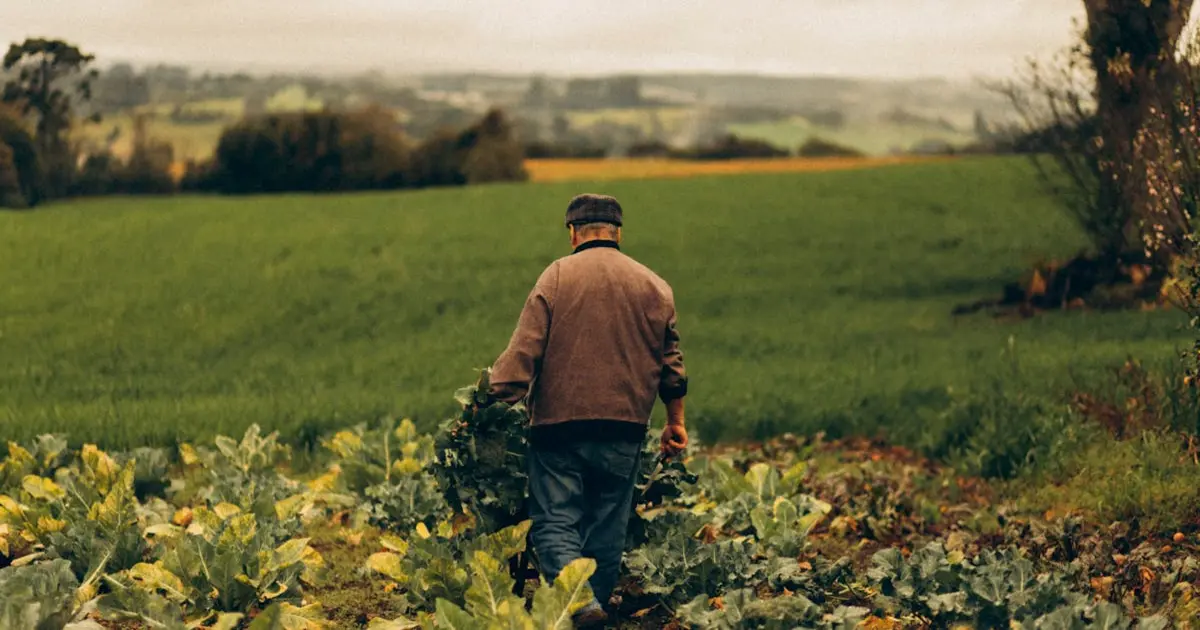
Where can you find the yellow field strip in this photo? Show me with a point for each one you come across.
(609, 169)
(559, 170)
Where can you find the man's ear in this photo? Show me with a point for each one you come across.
(571, 232)
(619, 234)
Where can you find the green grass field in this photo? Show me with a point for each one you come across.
(127, 321)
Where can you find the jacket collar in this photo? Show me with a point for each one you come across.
(597, 243)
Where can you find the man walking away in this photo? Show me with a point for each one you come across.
(593, 349)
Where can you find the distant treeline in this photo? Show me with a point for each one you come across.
(365, 149)
(726, 147)
(294, 152)
(361, 150)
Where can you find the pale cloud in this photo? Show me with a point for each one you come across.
(885, 38)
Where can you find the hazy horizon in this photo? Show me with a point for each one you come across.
(927, 39)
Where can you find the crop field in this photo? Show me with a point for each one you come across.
(808, 301)
(606, 169)
(389, 529)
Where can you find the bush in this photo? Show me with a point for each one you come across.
(438, 161)
(98, 176)
(653, 148)
(1150, 479)
(309, 151)
(731, 147)
(147, 172)
(487, 151)
(999, 435)
(374, 154)
(198, 177)
(816, 148)
(493, 153)
(546, 150)
(365, 150)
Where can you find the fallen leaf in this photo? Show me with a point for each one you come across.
(1102, 585)
(1147, 575)
(881, 623)
(1037, 285)
(183, 517)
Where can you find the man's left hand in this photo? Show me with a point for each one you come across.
(674, 439)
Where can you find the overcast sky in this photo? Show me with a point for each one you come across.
(878, 38)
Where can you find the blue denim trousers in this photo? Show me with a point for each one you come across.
(581, 495)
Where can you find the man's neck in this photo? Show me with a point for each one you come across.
(594, 243)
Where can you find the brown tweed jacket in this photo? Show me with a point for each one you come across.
(596, 340)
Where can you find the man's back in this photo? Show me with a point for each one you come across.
(610, 319)
(597, 338)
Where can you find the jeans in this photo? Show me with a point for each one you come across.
(581, 496)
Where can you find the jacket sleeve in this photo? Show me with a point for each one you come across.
(516, 368)
(673, 383)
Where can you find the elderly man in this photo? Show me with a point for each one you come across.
(594, 348)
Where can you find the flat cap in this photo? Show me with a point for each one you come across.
(590, 208)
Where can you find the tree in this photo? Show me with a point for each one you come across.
(1167, 152)
(1083, 113)
(538, 94)
(22, 152)
(50, 76)
(44, 69)
(10, 183)
(311, 151)
(148, 170)
(1132, 47)
(486, 151)
(494, 153)
(983, 130)
(121, 87)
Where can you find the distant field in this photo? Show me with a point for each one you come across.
(191, 141)
(801, 296)
(875, 138)
(872, 139)
(606, 169)
(670, 119)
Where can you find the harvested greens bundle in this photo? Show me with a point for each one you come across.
(480, 462)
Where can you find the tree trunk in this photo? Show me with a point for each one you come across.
(1132, 49)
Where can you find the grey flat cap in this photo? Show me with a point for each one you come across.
(590, 208)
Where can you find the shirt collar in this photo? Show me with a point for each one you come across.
(597, 243)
